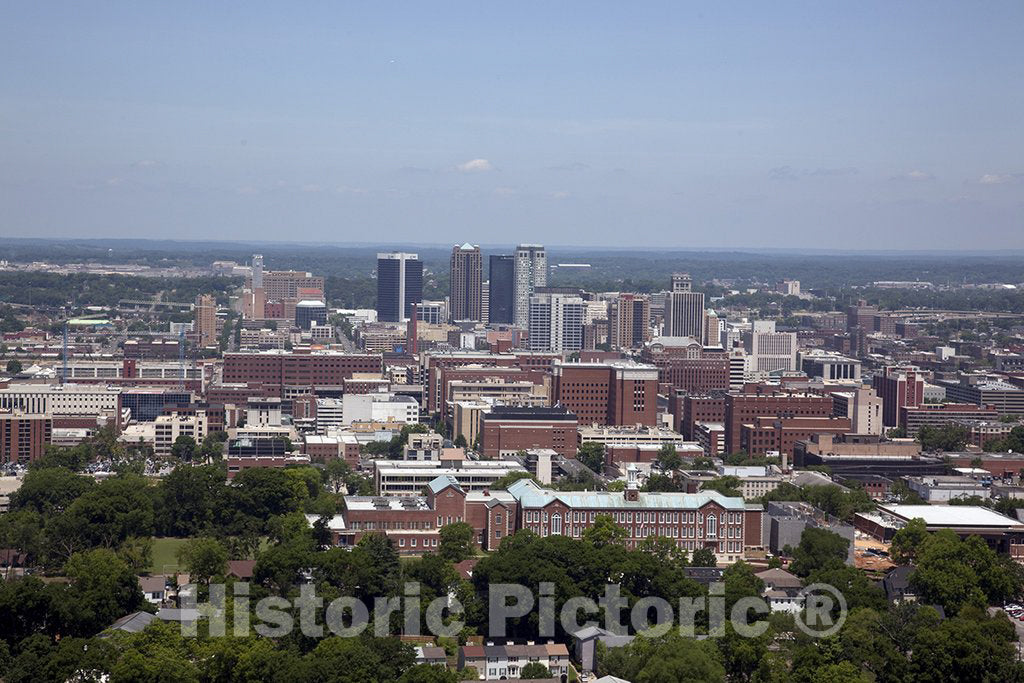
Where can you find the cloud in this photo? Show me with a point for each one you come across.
(475, 166)
(914, 176)
(999, 178)
(147, 163)
(345, 189)
(561, 194)
(311, 188)
(790, 173)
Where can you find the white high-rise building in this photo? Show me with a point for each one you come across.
(531, 272)
(555, 323)
(769, 350)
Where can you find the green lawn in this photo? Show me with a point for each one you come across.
(165, 555)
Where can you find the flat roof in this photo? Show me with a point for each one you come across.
(952, 515)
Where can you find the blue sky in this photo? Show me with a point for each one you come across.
(835, 125)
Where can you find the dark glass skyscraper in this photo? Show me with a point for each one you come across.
(503, 278)
(399, 285)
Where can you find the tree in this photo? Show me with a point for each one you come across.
(456, 541)
(102, 589)
(428, 673)
(948, 437)
(14, 366)
(49, 491)
(908, 540)
(591, 454)
(511, 478)
(460, 441)
(604, 532)
(819, 549)
(703, 557)
(668, 459)
(534, 670)
(204, 558)
(184, 448)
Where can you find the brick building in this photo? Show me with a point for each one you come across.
(23, 436)
(754, 402)
(764, 434)
(686, 365)
(937, 414)
(508, 429)
(898, 387)
(687, 410)
(275, 370)
(618, 393)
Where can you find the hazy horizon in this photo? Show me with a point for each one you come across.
(875, 127)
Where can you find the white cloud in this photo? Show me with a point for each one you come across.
(561, 194)
(475, 166)
(920, 175)
(996, 179)
(147, 163)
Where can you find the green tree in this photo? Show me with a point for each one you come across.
(591, 454)
(668, 459)
(101, 589)
(534, 670)
(204, 558)
(727, 486)
(908, 540)
(49, 491)
(703, 557)
(948, 437)
(460, 441)
(14, 366)
(819, 549)
(604, 532)
(183, 448)
(456, 541)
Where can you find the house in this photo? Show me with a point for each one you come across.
(497, 662)
(897, 585)
(132, 623)
(780, 579)
(586, 640)
(12, 559)
(241, 569)
(154, 588)
(427, 654)
(782, 590)
(784, 601)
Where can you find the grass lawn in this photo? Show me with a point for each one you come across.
(165, 555)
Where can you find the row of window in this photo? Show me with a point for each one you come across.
(723, 518)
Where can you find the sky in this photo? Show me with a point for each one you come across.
(840, 125)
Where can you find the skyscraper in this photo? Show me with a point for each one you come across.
(466, 282)
(531, 271)
(399, 285)
(502, 289)
(684, 309)
(629, 321)
(205, 326)
(555, 323)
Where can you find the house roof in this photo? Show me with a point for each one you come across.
(779, 577)
(241, 569)
(153, 584)
(442, 482)
(133, 623)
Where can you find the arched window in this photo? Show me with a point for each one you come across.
(712, 526)
(556, 524)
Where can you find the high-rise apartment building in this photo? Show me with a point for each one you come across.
(555, 323)
(399, 285)
(501, 292)
(629, 318)
(684, 309)
(206, 320)
(898, 387)
(466, 299)
(531, 272)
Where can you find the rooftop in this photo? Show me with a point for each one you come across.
(952, 515)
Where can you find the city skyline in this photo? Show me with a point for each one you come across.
(877, 127)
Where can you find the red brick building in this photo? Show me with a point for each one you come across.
(620, 393)
(23, 436)
(780, 434)
(756, 401)
(685, 365)
(508, 429)
(898, 387)
(687, 410)
(275, 370)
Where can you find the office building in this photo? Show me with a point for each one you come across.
(1005, 398)
(531, 272)
(466, 298)
(629, 317)
(275, 370)
(501, 290)
(410, 477)
(310, 312)
(686, 365)
(912, 418)
(864, 408)
(769, 351)
(555, 323)
(616, 393)
(898, 387)
(399, 285)
(205, 324)
(745, 408)
(684, 309)
(506, 430)
(830, 366)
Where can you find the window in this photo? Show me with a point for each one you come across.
(712, 530)
(556, 524)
